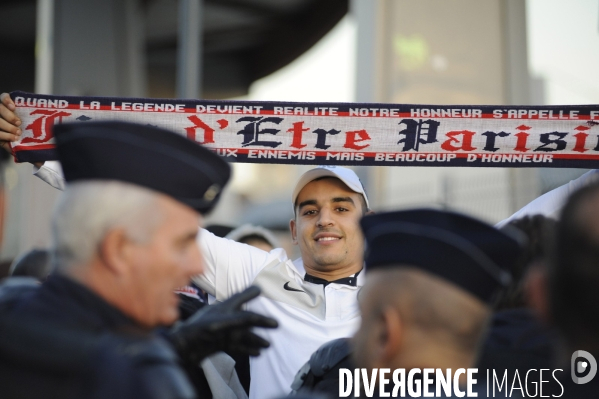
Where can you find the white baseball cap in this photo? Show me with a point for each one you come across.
(346, 175)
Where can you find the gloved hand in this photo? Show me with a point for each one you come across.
(221, 327)
(188, 306)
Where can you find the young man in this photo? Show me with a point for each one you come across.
(313, 297)
(122, 242)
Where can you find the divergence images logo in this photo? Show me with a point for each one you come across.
(582, 362)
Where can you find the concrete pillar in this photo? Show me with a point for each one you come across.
(92, 48)
(370, 63)
(524, 182)
(430, 52)
(189, 49)
(99, 48)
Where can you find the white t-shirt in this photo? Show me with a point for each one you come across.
(51, 173)
(309, 314)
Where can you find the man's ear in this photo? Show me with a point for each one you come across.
(293, 231)
(115, 251)
(391, 335)
(537, 292)
(371, 212)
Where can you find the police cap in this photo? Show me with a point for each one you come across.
(144, 155)
(465, 251)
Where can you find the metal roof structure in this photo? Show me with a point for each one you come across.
(243, 40)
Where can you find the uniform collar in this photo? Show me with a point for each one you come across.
(351, 281)
(88, 305)
(298, 264)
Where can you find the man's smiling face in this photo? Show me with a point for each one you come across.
(326, 227)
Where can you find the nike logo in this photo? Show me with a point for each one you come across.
(288, 288)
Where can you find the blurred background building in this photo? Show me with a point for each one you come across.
(393, 51)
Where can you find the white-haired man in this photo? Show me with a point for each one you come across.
(122, 242)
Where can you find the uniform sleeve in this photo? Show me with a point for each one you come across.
(550, 204)
(229, 266)
(51, 173)
(129, 367)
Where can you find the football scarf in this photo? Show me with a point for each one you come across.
(336, 133)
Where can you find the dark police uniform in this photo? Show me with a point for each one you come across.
(63, 341)
(60, 339)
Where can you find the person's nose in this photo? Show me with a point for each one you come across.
(325, 218)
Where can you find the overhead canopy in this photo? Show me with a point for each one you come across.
(244, 40)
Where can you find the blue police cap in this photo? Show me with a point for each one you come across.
(144, 155)
(465, 251)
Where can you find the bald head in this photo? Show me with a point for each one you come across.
(408, 313)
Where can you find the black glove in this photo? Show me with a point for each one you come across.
(188, 306)
(221, 327)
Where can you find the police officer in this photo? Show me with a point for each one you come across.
(430, 278)
(123, 238)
